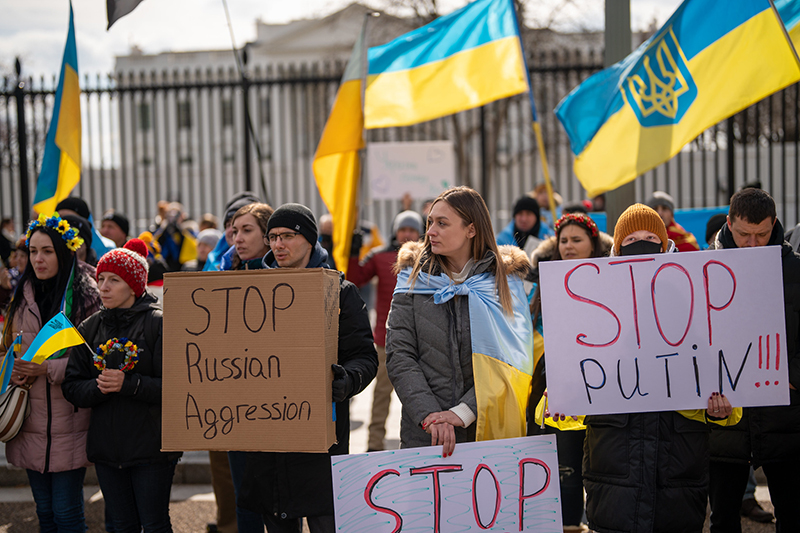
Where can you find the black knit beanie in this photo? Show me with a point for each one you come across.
(73, 203)
(526, 203)
(296, 217)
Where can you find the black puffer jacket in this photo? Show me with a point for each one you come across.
(769, 434)
(645, 472)
(291, 485)
(125, 428)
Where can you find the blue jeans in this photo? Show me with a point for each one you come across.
(59, 500)
(247, 521)
(138, 496)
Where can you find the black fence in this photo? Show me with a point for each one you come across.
(181, 135)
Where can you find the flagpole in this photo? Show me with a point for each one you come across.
(537, 129)
(250, 129)
(362, 153)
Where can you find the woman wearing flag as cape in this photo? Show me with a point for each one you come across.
(459, 342)
(51, 444)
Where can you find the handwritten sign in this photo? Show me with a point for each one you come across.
(247, 360)
(421, 169)
(500, 485)
(662, 332)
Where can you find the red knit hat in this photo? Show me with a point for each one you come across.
(129, 263)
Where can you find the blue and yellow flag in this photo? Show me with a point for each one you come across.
(56, 335)
(709, 61)
(502, 348)
(336, 166)
(7, 366)
(460, 61)
(789, 10)
(61, 163)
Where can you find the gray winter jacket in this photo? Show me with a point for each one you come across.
(429, 349)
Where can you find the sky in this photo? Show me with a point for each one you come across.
(36, 30)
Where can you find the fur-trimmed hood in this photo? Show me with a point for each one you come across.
(546, 250)
(514, 259)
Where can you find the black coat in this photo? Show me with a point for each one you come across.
(645, 472)
(769, 434)
(291, 485)
(125, 428)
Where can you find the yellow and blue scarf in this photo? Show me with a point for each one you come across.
(502, 347)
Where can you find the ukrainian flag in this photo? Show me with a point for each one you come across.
(57, 334)
(336, 164)
(460, 61)
(709, 61)
(61, 163)
(789, 10)
(502, 348)
(7, 366)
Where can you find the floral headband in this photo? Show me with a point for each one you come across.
(579, 218)
(55, 222)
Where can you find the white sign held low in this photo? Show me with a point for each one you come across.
(663, 332)
(501, 485)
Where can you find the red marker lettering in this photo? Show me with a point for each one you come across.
(581, 336)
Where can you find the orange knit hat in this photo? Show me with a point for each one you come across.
(639, 217)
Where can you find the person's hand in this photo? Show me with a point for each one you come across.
(440, 426)
(407, 201)
(719, 406)
(26, 369)
(110, 380)
(342, 383)
(557, 417)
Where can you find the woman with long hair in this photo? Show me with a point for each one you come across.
(121, 383)
(429, 343)
(249, 234)
(51, 445)
(577, 237)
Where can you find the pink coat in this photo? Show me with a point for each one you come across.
(64, 446)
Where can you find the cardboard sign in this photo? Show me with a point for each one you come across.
(499, 485)
(421, 169)
(247, 360)
(662, 332)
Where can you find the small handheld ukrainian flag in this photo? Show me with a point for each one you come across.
(57, 334)
(709, 61)
(7, 366)
(457, 62)
(61, 163)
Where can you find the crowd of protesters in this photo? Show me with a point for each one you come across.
(638, 472)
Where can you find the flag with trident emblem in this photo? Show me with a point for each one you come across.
(709, 61)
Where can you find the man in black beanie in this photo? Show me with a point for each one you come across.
(523, 231)
(285, 487)
(115, 226)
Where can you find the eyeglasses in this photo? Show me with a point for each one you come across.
(285, 237)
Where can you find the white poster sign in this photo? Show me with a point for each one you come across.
(663, 332)
(500, 485)
(421, 169)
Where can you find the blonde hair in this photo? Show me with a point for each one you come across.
(469, 205)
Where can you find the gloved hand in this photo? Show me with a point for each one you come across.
(342, 383)
(356, 243)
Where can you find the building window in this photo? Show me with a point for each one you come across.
(184, 115)
(227, 113)
(144, 116)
